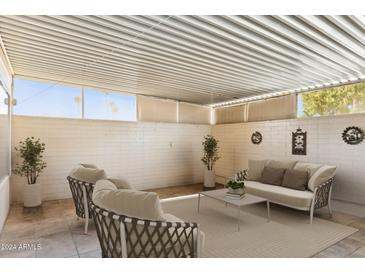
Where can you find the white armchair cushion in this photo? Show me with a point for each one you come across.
(132, 203)
(120, 183)
(88, 165)
(86, 174)
(322, 175)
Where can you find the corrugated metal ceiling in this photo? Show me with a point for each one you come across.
(199, 59)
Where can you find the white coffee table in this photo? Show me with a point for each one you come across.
(248, 199)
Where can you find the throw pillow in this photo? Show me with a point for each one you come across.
(272, 176)
(255, 168)
(295, 179)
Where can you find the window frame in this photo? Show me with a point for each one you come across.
(82, 89)
(321, 89)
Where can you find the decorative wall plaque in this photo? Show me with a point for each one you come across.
(256, 138)
(353, 135)
(299, 142)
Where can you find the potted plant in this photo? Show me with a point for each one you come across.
(236, 187)
(236, 184)
(31, 152)
(210, 147)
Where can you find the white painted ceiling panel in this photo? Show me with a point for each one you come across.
(198, 59)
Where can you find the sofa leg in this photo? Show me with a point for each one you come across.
(311, 216)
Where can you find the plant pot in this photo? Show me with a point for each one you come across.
(236, 191)
(32, 195)
(209, 179)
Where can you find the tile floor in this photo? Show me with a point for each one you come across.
(55, 228)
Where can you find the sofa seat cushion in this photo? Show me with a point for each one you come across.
(282, 195)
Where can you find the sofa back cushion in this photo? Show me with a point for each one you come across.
(309, 167)
(87, 174)
(295, 179)
(272, 175)
(255, 168)
(132, 203)
(323, 174)
(281, 164)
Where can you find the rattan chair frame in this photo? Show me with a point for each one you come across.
(128, 237)
(82, 195)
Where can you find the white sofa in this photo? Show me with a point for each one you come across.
(316, 195)
(131, 223)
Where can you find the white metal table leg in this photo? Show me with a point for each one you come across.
(238, 218)
(199, 202)
(268, 209)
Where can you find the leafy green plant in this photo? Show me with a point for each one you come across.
(235, 184)
(31, 152)
(210, 147)
(333, 101)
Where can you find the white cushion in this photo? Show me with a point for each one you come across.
(282, 195)
(322, 175)
(281, 164)
(120, 183)
(89, 165)
(309, 167)
(86, 174)
(255, 168)
(132, 203)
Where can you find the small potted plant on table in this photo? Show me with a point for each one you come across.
(236, 185)
(31, 153)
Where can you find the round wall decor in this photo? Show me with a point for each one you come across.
(353, 135)
(256, 138)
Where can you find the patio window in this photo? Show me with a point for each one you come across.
(345, 99)
(47, 99)
(109, 105)
(36, 98)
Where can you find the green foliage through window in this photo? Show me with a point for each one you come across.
(332, 101)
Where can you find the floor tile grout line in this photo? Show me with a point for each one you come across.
(73, 239)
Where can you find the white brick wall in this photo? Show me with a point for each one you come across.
(141, 152)
(147, 155)
(324, 145)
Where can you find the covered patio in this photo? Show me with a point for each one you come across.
(121, 105)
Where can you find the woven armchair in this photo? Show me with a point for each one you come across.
(126, 237)
(81, 181)
(82, 195)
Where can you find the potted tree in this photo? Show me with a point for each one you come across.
(31, 153)
(210, 147)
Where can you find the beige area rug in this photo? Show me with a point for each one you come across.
(287, 234)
